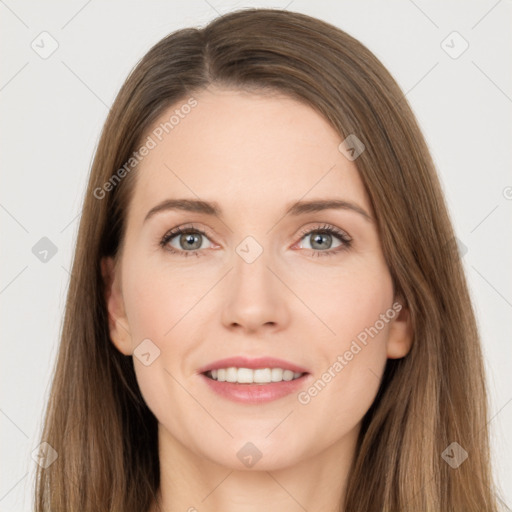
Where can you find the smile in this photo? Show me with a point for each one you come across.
(252, 376)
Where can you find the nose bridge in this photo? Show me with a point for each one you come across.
(254, 298)
(251, 273)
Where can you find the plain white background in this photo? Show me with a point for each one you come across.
(53, 108)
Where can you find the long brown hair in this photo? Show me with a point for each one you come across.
(97, 421)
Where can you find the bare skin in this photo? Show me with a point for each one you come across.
(254, 155)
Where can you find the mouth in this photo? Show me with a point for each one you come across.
(247, 370)
(261, 376)
(254, 381)
(254, 386)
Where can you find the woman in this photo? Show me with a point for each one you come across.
(257, 375)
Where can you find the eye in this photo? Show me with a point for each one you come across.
(189, 241)
(321, 239)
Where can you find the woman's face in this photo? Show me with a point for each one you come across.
(261, 282)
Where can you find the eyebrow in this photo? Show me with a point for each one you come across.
(296, 208)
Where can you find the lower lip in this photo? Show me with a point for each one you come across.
(255, 393)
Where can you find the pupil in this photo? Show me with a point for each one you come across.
(320, 236)
(189, 238)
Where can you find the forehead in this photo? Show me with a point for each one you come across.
(243, 149)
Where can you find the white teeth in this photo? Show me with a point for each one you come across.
(263, 376)
(231, 374)
(249, 376)
(244, 375)
(277, 375)
(287, 375)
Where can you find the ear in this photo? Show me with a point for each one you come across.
(400, 335)
(118, 323)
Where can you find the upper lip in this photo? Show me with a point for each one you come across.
(259, 362)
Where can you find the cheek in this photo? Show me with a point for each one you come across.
(357, 309)
(160, 307)
(345, 388)
(354, 299)
(157, 299)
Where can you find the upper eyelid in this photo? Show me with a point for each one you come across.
(325, 227)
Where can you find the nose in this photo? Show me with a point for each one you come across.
(255, 298)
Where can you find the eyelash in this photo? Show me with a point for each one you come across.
(325, 229)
